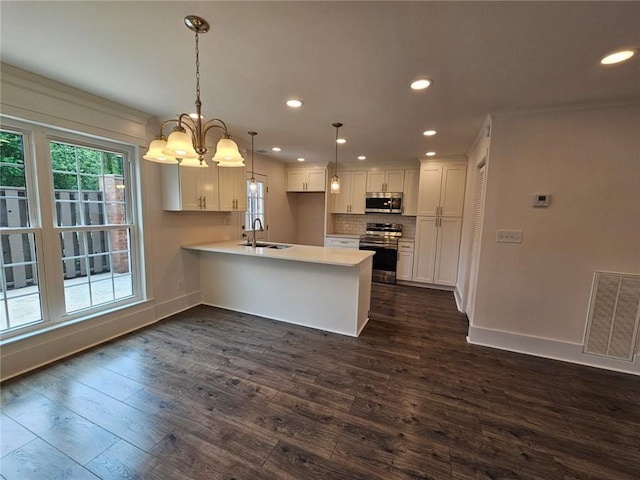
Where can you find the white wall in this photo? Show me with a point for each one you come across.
(281, 213)
(588, 160)
(310, 217)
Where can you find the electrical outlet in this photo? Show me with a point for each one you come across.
(180, 285)
(509, 236)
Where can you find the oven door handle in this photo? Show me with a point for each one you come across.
(378, 245)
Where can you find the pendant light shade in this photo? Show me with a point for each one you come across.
(179, 145)
(335, 180)
(155, 152)
(227, 154)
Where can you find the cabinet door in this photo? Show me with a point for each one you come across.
(394, 181)
(405, 266)
(410, 195)
(239, 180)
(208, 187)
(375, 181)
(425, 249)
(358, 191)
(233, 195)
(429, 190)
(316, 180)
(190, 195)
(446, 259)
(343, 199)
(296, 180)
(452, 190)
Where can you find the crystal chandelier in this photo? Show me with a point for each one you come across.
(187, 142)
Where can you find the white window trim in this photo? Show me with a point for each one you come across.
(42, 217)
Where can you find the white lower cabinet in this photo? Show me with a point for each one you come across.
(436, 250)
(404, 269)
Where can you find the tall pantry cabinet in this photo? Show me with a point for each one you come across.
(439, 222)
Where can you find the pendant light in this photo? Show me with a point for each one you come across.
(335, 180)
(187, 141)
(253, 186)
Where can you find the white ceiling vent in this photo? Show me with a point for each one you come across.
(614, 315)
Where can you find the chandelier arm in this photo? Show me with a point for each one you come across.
(212, 124)
(164, 124)
(209, 125)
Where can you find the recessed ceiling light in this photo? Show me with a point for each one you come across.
(421, 84)
(429, 133)
(361, 157)
(301, 159)
(341, 141)
(618, 56)
(430, 154)
(294, 103)
(276, 149)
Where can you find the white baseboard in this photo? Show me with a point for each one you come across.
(546, 348)
(458, 299)
(39, 350)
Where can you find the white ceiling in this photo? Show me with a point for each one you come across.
(350, 62)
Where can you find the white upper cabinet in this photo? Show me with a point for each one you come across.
(351, 198)
(188, 188)
(385, 180)
(306, 180)
(410, 195)
(441, 191)
(233, 189)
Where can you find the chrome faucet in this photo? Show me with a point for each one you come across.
(257, 219)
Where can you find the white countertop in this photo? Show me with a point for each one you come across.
(300, 253)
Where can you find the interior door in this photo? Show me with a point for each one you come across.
(256, 208)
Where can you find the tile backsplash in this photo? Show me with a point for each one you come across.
(357, 224)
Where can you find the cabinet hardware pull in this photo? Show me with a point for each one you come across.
(204, 202)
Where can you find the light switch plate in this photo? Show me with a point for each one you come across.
(509, 236)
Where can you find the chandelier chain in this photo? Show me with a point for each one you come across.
(197, 67)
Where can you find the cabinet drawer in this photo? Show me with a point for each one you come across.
(339, 242)
(405, 246)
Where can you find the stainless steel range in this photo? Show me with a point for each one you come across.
(382, 238)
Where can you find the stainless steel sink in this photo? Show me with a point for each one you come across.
(277, 246)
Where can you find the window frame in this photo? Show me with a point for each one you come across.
(42, 214)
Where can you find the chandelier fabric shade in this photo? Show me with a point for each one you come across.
(187, 142)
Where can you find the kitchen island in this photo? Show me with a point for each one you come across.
(324, 288)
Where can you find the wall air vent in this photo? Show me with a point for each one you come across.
(613, 316)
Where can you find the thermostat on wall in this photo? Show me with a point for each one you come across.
(541, 200)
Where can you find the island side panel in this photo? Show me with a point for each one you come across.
(315, 295)
(364, 292)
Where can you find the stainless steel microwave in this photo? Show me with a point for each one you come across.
(383, 202)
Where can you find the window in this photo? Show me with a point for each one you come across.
(82, 210)
(256, 203)
(19, 283)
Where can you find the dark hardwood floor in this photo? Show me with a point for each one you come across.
(212, 394)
